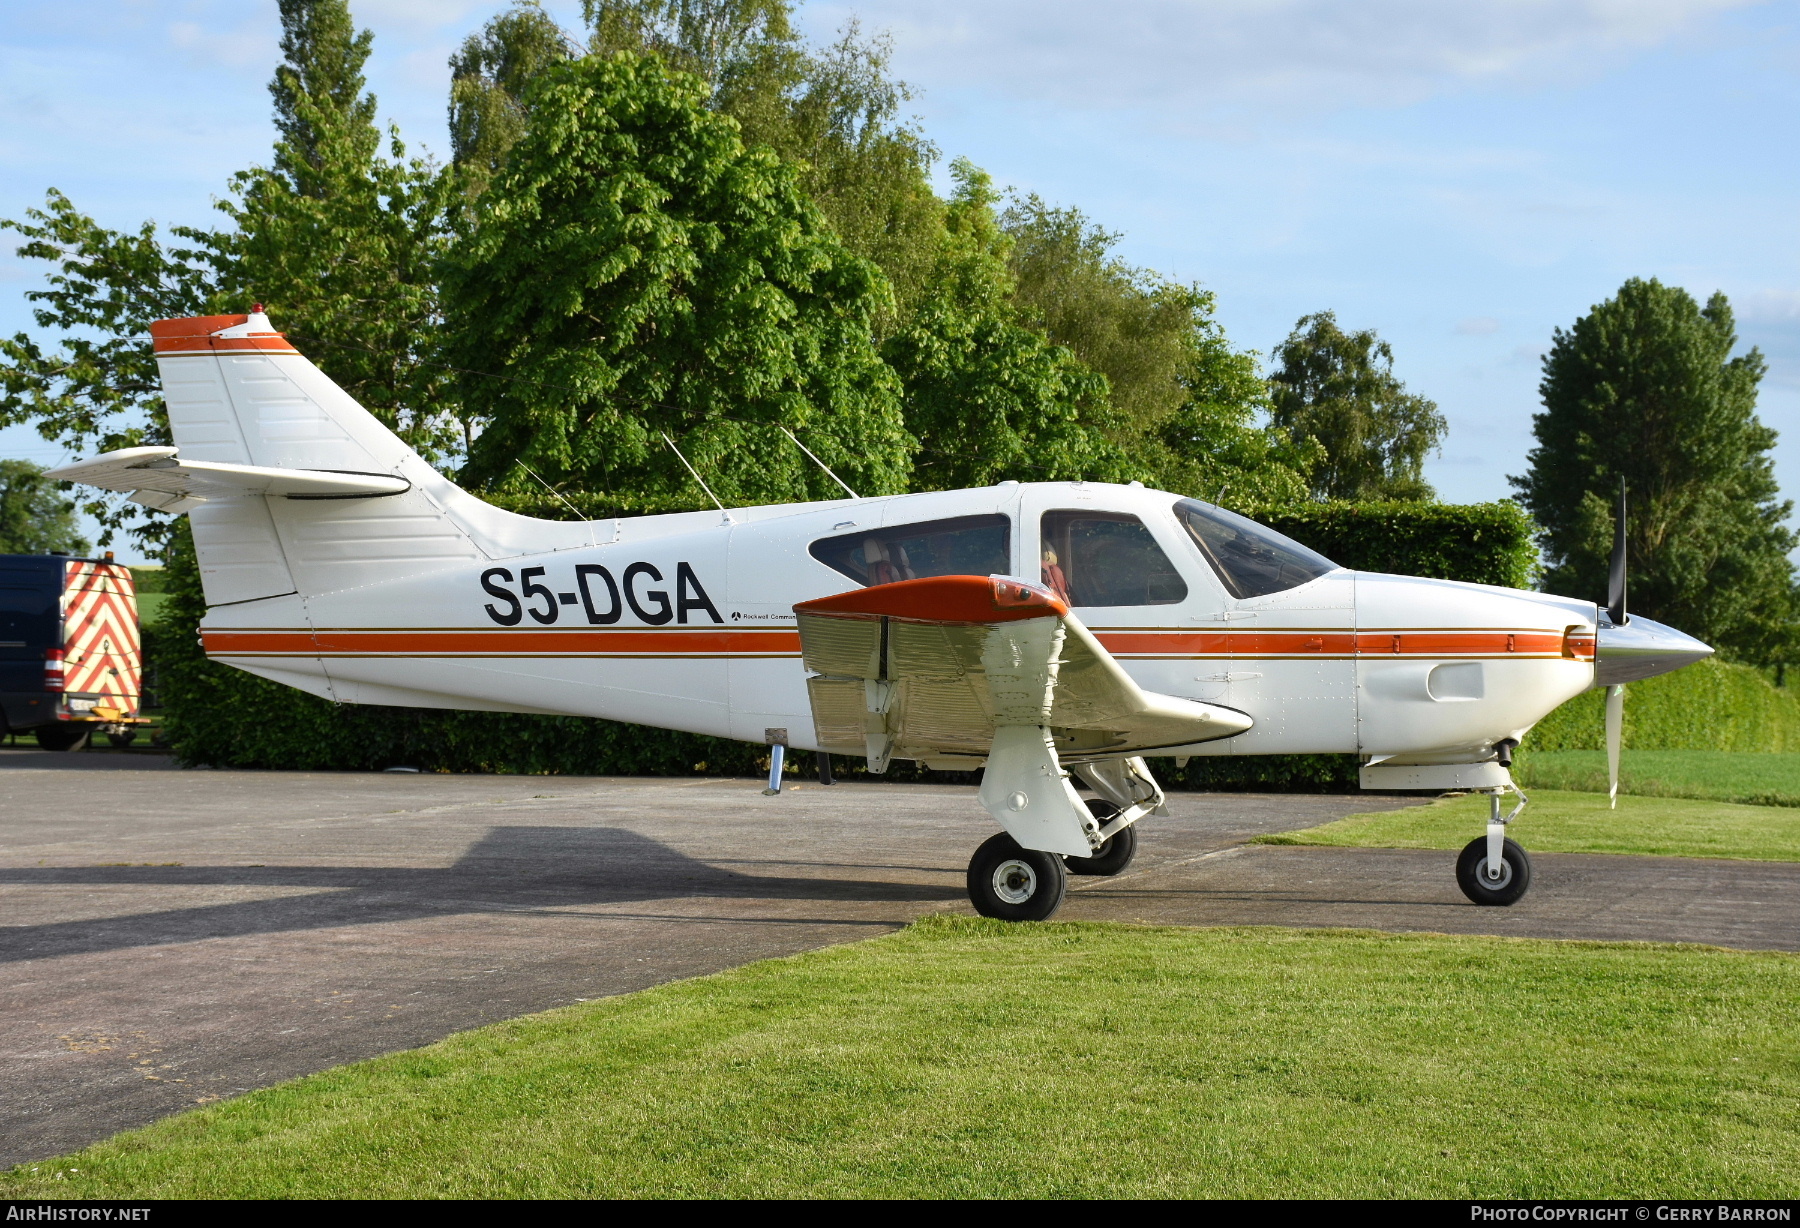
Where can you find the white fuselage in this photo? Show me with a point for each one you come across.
(687, 622)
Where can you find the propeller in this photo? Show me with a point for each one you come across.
(1615, 574)
(1617, 615)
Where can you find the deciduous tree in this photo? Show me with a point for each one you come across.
(489, 76)
(1339, 390)
(35, 517)
(636, 271)
(988, 397)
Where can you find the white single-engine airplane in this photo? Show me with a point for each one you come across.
(1027, 628)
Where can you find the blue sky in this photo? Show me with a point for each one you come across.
(1464, 178)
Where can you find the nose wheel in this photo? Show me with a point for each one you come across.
(1486, 882)
(1010, 883)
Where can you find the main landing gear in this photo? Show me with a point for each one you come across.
(1010, 883)
(1493, 869)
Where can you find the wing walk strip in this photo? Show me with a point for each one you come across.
(687, 643)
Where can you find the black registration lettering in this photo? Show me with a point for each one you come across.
(690, 596)
(656, 596)
(587, 572)
(529, 586)
(514, 611)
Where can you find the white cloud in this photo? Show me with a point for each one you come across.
(1478, 326)
(1299, 55)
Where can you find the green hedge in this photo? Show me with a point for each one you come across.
(1709, 706)
(217, 715)
(1481, 543)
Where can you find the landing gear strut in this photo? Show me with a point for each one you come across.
(1114, 853)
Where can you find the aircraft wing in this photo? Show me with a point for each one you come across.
(157, 479)
(929, 669)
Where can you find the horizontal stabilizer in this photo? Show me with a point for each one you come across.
(158, 480)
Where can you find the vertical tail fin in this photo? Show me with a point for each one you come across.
(239, 393)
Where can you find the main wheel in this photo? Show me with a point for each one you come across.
(1111, 857)
(62, 737)
(1010, 883)
(1472, 875)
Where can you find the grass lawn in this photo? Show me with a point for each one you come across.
(968, 1058)
(1759, 780)
(1565, 822)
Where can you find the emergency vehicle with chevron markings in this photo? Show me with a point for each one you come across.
(1046, 633)
(70, 653)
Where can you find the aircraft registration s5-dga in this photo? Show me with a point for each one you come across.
(1048, 632)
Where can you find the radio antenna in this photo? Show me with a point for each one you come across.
(557, 495)
(696, 475)
(821, 464)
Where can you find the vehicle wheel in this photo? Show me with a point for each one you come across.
(1111, 857)
(121, 740)
(62, 737)
(1010, 883)
(1472, 877)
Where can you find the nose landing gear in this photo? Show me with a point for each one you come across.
(1493, 869)
(1475, 872)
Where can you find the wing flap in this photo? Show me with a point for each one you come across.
(953, 658)
(156, 478)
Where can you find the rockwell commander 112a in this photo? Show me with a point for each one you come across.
(1037, 630)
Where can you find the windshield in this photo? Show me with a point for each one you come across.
(1252, 559)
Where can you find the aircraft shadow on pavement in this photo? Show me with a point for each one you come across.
(511, 869)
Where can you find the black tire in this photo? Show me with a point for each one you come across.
(1010, 883)
(121, 740)
(1515, 873)
(62, 737)
(1111, 857)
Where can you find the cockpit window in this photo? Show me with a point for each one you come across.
(1252, 559)
(963, 546)
(1106, 558)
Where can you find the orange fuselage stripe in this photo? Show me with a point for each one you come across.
(677, 642)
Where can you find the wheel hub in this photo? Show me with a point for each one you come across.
(1484, 874)
(1015, 881)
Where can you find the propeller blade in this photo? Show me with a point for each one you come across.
(1615, 728)
(1615, 575)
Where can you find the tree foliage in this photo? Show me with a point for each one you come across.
(1644, 388)
(1218, 444)
(1339, 389)
(988, 397)
(94, 387)
(833, 113)
(35, 517)
(489, 77)
(637, 271)
(318, 87)
(338, 240)
(1133, 327)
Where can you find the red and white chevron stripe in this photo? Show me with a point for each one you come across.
(103, 652)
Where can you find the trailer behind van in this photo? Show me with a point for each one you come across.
(71, 663)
